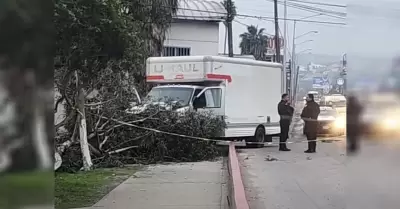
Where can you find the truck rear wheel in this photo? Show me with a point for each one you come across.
(258, 139)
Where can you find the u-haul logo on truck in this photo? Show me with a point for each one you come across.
(175, 68)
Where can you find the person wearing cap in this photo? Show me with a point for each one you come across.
(310, 116)
(286, 113)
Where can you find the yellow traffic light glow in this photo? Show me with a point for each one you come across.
(340, 123)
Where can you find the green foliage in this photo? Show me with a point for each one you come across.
(92, 33)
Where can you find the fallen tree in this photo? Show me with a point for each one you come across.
(149, 137)
(116, 137)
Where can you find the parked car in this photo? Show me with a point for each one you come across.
(336, 101)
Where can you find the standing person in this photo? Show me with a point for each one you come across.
(354, 110)
(286, 113)
(310, 115)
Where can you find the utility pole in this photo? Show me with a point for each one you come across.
(229, 26)
(285, 45)
(293, 63)
(344, 74)
(296, 84)
(294, 45)
(277, 41)
(285, 33)
(288, 80)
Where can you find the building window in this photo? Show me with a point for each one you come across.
(169, 51)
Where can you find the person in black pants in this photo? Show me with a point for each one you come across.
(310, 116)
(354, 111)
(286, 113)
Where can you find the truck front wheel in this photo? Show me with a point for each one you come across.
(258, 139)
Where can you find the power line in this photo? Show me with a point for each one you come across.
(313, 9)
(252, 16)
(319, 9)
(241, 23)
(319, 3)
(244, 24)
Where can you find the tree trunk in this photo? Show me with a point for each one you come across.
(86, 158)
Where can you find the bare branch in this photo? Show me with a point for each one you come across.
(102, 126)
(98, 103)
(121, 123)
(61, 99)
(61, 148)
(134, 139)
(94, 150)
(122, 149)
(103, 142)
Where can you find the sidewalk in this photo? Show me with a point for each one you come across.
(174, 186)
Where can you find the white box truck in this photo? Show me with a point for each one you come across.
(244, 92)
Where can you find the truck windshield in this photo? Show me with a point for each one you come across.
(165, 94)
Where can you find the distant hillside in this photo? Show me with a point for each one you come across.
(321, 59)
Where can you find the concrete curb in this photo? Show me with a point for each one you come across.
(236, 194)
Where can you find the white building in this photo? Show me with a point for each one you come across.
(195, 29)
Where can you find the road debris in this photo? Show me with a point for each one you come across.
(270, 158)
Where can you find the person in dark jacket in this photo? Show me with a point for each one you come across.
(310, 116)
(286, 113)
(354, 110)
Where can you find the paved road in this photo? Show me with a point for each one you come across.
(327, 179)
(295, 180)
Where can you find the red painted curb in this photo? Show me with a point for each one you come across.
(238, 195)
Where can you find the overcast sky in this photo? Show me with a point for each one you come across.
(372, 30)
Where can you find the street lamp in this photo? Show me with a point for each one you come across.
(294, 44)
(304, 51)
(304, 42)
(293, 63)
(313, 31)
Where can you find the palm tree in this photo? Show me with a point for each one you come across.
(254, 42)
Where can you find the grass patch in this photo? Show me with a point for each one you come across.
(27, 188)
(83, 189)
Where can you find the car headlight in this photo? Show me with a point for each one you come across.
(340, 123)
(390, 123)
